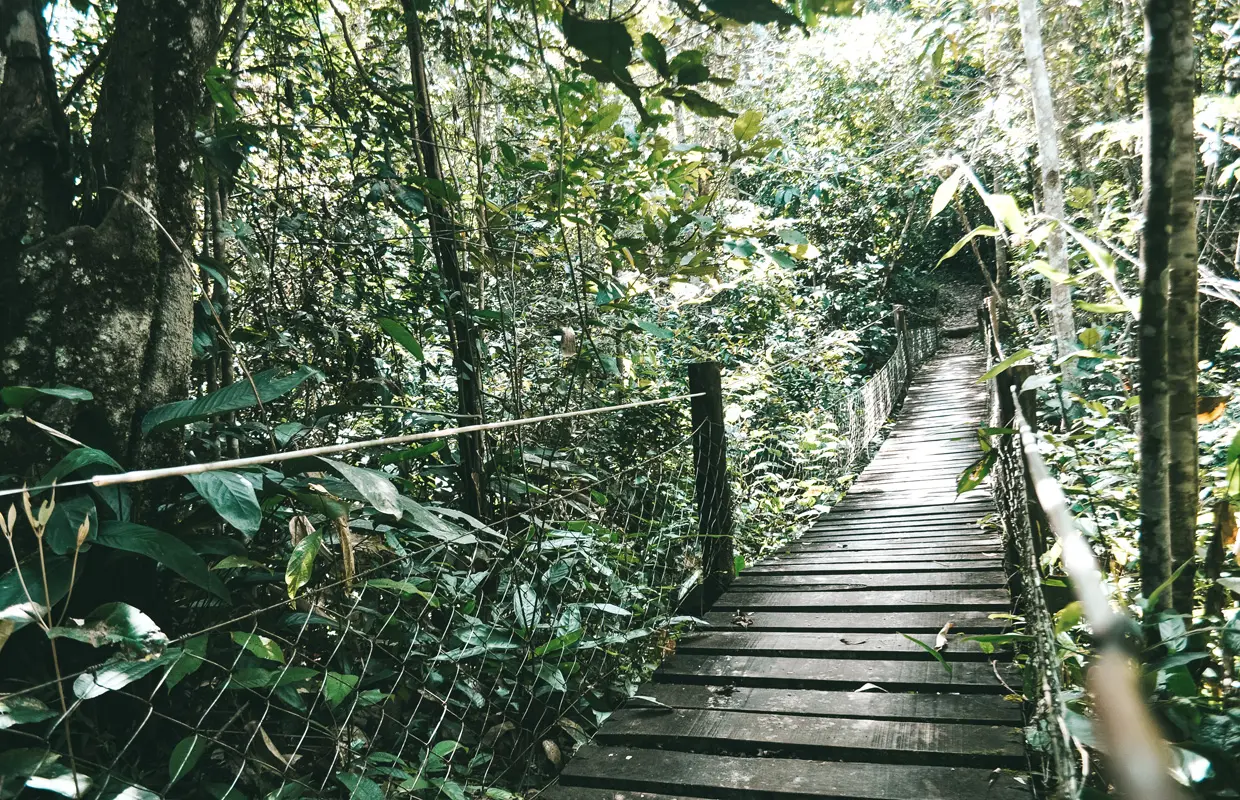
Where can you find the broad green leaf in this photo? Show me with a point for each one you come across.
(19, 396)
(701, 105)
(980, 230)
(1047, 271)
(19, 710)
(1068, 617)
(401, 335)
(761, 12)
(657, 331)
(360, 787)
(441, 529)
(1090, 338)
(937, 655)
(193, 652)
(66, 523)
(78, 459)
(655, 55)
(946, 191)
(259, 645)
(607, 608)
(747, 125)
(1004, 209)
(997, 369)
(1102, 308)
(336, 687)
(58, 779)
(604, 119)
(185, 757)
(525, 606)
(975, 473)
(792, 236)
(120, 671)
(301, 563)
(165, 548)
(232, 497)
(113, 623)
(550, 674)
(21, 610)
(559, 643)
(372, 485)
(240, 395)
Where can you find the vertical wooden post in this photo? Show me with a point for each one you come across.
(1029, 409)
(710, 466)
(901, 325)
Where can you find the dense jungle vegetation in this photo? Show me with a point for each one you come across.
(231, 229)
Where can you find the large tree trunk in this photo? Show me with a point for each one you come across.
(466, 356)
(1157, 243)
(105, 304)
(1182, 309)
(1063, 327)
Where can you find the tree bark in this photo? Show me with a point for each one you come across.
(1160, 159)
(1063, 326)
(105, 304)
(461, 328)
(1182, 310)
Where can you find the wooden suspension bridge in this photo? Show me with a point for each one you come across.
(814, 678)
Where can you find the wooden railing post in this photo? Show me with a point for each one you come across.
(901, 326)
(710, 464)
(1029, 410)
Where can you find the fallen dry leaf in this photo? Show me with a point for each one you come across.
(1210, 408)
(552, 751)
(940, 642)
(742, 619)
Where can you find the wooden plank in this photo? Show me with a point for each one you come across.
(914, 622)
(860, 545)
(817, 737)
(990, 599)
(822, 645)
(882, 558)
(864, 705)
(849, 674)
(861, 568)
(906, 535)
(981, 579)
(582, 793)
(735, 777)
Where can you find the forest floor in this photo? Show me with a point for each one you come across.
(958, 303)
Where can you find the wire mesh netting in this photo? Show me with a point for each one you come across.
(1024, 541)
(361, 637)
(367, 642)
(789, 475)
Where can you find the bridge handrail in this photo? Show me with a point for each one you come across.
(1135, 749)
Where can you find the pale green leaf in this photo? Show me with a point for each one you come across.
(946, 191)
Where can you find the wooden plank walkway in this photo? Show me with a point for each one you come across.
(769, 701)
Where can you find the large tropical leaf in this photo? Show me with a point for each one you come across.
(240, 395)
(165, 548)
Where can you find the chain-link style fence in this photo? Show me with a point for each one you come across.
(790, 475)
(360, 637)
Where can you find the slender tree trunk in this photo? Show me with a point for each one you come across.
(1063, 327)
(1160, 158)
(1182, 306)
(461, 327)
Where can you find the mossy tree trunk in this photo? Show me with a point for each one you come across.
(96, 293)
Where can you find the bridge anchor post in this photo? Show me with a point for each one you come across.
(710, 466)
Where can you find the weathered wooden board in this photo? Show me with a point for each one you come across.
(764, 581)
(816, 737)
(824, 645)
(727, 776)
(846, 673)
(970, 621)
(990, 709)
(996, 600)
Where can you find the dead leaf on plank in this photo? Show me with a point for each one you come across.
(853, 641)
(940, 643)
